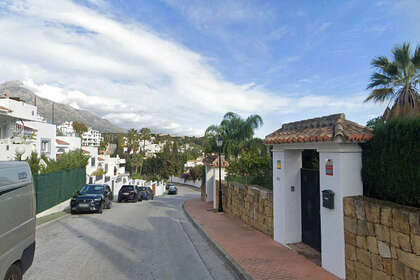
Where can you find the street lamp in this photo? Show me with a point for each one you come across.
(219, 142)
(20, 150)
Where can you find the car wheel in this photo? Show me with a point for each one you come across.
(72, 212)
(110, 204)
(101, 208)
(14, 273)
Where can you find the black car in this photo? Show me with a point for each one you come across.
(129, 193)
(150, 192)
(168, 185)
(172, 190)
(92, 198)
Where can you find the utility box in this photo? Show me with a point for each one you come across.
(328, 199)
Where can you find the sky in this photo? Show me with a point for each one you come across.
(177, 66)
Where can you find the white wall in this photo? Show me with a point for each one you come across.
(178, 180)
(45, 131)
(75, 142)
(20, 110)
(346, 181)
(216, 180)
(287, 203)
(210, 181)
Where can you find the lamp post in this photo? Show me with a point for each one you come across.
(219, 143)
(20, 150)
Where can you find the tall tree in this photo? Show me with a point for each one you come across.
(132, 141)
(145, 135)
(397, 81)
(79, 128)
(235, 131)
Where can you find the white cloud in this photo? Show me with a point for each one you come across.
(124, 72)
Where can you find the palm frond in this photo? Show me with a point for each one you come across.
(416, 57)
(378, 79)
(380, 94)
(402, 55)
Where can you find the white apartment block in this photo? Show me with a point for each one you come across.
(65, 144)
(66, 128)
(16, 135)
(92, 138)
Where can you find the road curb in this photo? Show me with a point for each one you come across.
(236, 268)
(52, 221)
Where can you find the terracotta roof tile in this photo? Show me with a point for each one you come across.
(5, 109)
(213, 160)
(85, 152)
(328, 128)
(61, 142)
(100, 159)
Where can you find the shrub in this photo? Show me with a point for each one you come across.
(391, 162)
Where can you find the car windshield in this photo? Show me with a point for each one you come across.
(142, 188)
(127, 188)
(172, 187)
(92, 189)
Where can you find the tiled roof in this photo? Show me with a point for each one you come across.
(100, 159)
(5, 109)
(213, 160)
(61, 142)
(328, 128)
(85, 152)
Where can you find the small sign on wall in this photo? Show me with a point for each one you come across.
(278, 164)
(329, 167)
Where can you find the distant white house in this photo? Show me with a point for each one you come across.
(92, 138)
(65, 144)
(193, 163)
(66, 129)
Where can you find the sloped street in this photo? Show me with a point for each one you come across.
(144, 240)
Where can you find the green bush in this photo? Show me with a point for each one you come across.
(391, 162)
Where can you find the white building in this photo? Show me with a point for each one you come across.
(192, 163)
(113, 168)
(15, 135)
(45, 138)
(66, 129)
(65, 144)
(92, 138)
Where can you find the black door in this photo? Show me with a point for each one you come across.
(311, 217)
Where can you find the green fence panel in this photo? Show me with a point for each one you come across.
(56, 187)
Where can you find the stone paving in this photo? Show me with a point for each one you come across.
(259, 255)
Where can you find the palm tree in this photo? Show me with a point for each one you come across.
(145, 134)
(132, 141)
(397, 81)
(235, 131)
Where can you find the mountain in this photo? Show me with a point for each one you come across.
(62, 112)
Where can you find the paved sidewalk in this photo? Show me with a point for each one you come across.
(257, 254)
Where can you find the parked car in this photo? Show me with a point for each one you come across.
(143, 192)
(150, 192)
(168, 185)
(172, 190)
(17, 219)
(129, 193)
(92, 198)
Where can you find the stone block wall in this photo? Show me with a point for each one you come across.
(382, 240)
(251, 204)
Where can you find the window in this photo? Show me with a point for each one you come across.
(45, 146)
(92, 161)
(106, 167)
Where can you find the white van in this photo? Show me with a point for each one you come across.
(17, 219)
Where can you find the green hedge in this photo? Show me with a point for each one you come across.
(391, 162)
(266, 182)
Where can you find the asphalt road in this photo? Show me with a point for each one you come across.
(144, 240)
